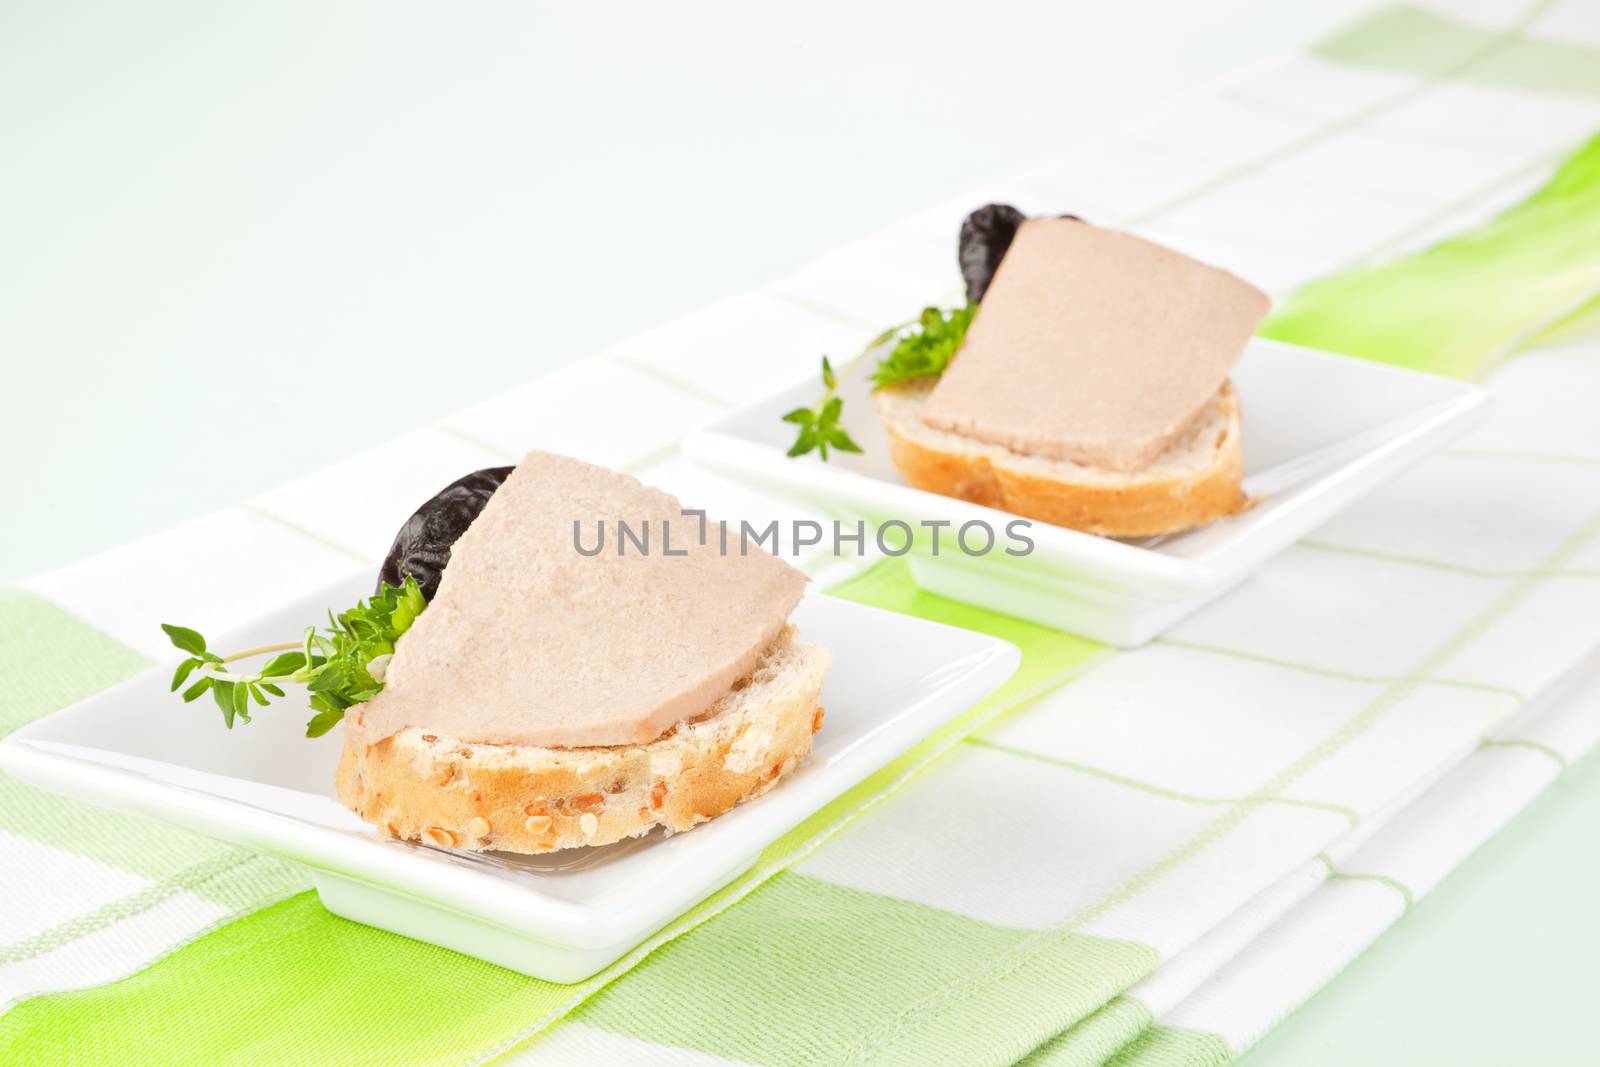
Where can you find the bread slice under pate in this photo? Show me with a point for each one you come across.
(1196, 480)
(423, 786)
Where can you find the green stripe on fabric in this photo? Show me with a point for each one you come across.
(817, 307)
(1049, 659)
(50, 658)
(931, 1017)
(1406, 895)
(1447, 649)
(803, 965)
(1173, 1046)
(1096, 1039)
(505, 455)
(1405, 240)
(288, 984)
(264, 988)
(1341, 810)
(306, 532)
(1444, 565)
(1354, 120)
(1124, 1033)
(299, 933)
(124, 841)
(1527, 743)
(1460, 306)
(683, 385)
(1581, 322)
(938, 1018)
(1412, 40)
(1325, 672)
(1045, 652)
(237, 879)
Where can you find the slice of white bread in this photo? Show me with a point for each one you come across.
(422, 786)
(1195, 481)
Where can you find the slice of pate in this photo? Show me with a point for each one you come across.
(1094, 346)
(531, 642)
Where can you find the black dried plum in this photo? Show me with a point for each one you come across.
(422, 547)
(985, 236)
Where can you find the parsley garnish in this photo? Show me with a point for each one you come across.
(819, 426)
(924, 352)
(339, 666)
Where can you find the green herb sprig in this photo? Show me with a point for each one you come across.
(343, 664)
(819, 426)
(925, 352)
(924, 348)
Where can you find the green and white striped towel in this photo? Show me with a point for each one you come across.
(1143, 857)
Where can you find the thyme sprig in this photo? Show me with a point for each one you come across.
(340, 665)
(923, 349)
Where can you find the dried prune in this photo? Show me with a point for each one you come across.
(422, 547)
(985, 236)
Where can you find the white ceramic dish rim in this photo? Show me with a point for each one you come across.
(1156, 574)
(113, 779)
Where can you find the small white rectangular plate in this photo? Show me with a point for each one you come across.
(1319, 431)
(135, 747)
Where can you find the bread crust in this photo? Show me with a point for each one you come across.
(1138, 506)
(420, 786)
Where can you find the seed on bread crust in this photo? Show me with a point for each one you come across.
(537, 801)
(665, 764)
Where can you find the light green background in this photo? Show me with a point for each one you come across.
(241, 241)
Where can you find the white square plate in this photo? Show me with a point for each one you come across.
(562, 917)
(1319, 430)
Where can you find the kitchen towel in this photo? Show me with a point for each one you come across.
(1144, 856)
